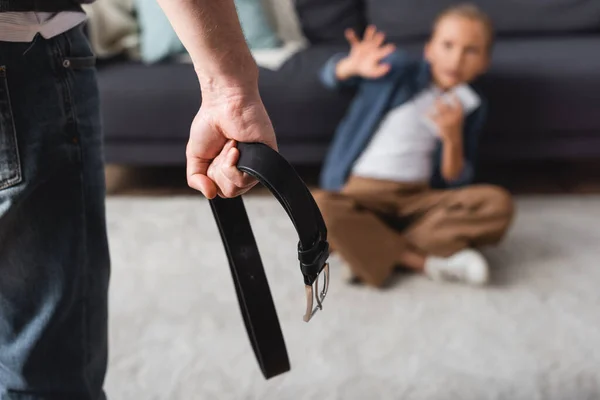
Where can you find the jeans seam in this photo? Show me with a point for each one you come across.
(70, 112)
(85, 267)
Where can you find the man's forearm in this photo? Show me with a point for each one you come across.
(211, 33)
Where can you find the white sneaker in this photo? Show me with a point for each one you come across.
(346, 273)
(467, 266)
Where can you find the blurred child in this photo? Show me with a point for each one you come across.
(396, 181)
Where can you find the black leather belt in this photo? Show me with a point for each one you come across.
(252, 288)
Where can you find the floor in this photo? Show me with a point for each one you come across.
(176, 332)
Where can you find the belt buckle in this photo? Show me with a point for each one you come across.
(314, 293)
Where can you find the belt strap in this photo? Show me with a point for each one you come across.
(251, 285)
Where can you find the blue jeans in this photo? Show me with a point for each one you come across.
(54, 258)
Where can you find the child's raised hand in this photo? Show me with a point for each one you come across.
(365, 55)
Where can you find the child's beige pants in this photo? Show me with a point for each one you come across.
(370, 222)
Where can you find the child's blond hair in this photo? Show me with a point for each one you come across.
(472, 12)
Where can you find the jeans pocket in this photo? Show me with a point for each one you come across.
(10, 164)
(77, 63)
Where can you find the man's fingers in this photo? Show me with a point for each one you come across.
(203, 184)
(233, 187)
(227, 189)
(232, 173)
(230, 144)
(230, 181)
(196, 173)
(200, 172)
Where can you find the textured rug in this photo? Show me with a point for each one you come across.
(176, 332)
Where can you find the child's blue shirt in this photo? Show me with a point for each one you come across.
(374, 98)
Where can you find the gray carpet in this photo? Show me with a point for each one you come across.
(177, 333)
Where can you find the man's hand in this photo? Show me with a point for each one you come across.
(365, 56)
(211, 152)
(231, 107)
(449, 118)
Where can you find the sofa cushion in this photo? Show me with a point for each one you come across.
(159, 40)
(148, 102)
(539, 89)
(324, 21)
(285, 20)
(544, 86)
(158, 102)
(256, 25)
(402, 19)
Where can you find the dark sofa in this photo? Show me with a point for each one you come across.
(543, 87)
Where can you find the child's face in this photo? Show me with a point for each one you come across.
(457, 51)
